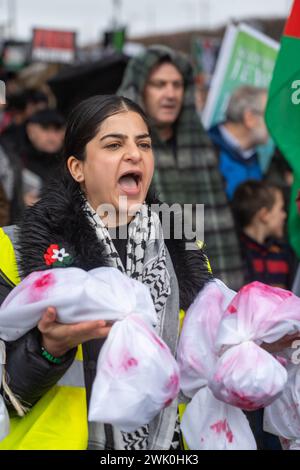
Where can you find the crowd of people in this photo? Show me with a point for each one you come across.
(146, 143)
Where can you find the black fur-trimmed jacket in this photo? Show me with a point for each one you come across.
(58, 218)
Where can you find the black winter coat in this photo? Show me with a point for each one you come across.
(58, 218)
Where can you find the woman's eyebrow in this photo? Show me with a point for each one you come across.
(123, 136)
(114, 136)
(143, 136)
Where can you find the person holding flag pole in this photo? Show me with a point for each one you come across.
(283, 112)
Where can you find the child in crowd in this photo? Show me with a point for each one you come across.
(260, 215)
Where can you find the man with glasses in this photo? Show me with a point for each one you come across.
(237, 138)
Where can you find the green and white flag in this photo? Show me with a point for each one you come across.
(283, 111)
(247, 57)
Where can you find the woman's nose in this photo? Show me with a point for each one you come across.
(133, 153)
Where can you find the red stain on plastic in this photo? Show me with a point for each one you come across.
(223, 427)
(266, 289)
(40, 286)
(152, 335)
(157, 341)
(244, 402)
(132, 362)
(232, 309)
(172, 388)
(129, 362)
(285, 443)
(43, 281)
(173, 382)
(282, 360)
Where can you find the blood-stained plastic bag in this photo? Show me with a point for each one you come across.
(77, 295)
(248, 377)
(282, 417)
(258, 313)
(137, 376)
(237, 370)
(209, 424)
(102, 294)
(4, 419)
(196, 352)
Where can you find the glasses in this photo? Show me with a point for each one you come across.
(178, 84)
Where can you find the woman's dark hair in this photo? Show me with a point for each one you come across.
(86, 118)
(83, 123)
(250, 197)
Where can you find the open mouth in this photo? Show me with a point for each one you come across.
(130, 182)
(170, 106)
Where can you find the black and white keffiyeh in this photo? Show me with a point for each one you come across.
(145, 262)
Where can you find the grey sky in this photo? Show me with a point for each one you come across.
(91, 17)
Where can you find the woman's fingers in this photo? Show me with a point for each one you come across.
(288, 340)
(294, 335)
(281, 344)
(58, 338)
(47, 320)
(90, 330)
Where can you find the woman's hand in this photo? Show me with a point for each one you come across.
(281, 344)
(59, 338)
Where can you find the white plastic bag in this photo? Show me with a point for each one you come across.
(258, 313)
(248, 377)
(229, 359)
(137, 376)
(209, 424)
(282, 417)
(78, 295)
(197, 354)
(104, 293)
(4, 418)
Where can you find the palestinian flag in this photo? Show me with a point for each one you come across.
(283, 111)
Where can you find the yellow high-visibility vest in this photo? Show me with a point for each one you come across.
(58, 421)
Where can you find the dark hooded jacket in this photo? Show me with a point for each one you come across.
(186, 170)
